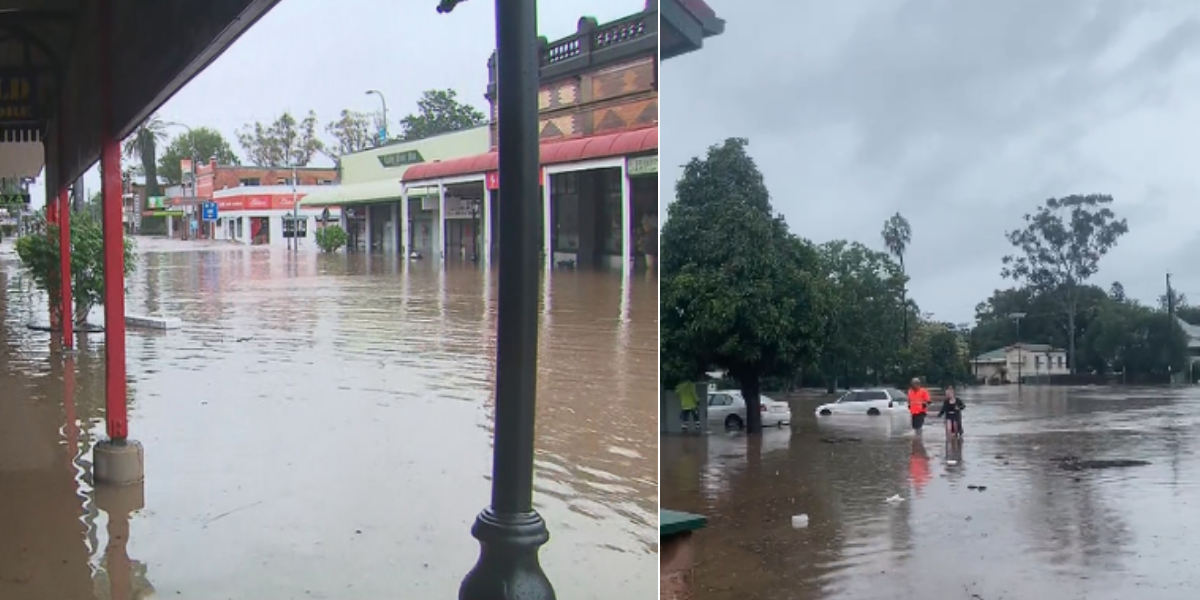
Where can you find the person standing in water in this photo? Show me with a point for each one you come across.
(918, 404)
(952, 409)
(688, 404)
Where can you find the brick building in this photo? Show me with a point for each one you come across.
(212, 177)
(598, 103)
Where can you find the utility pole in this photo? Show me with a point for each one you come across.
(1017, 316)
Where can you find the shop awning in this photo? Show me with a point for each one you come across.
(625, 143)
(354, 193)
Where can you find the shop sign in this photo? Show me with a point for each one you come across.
(16, 97)
(641, 165)
(491, 179)
(400, 159)
(14, 199)
(162, 213)
(156, 202)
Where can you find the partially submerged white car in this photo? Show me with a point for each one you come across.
(873, 402)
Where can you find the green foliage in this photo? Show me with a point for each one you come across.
(897, 235)
(865, 288)
(738, 291)
(438, 112)
(283, 143)
(39, 256)
(1060, 248)
(352, 132)
(143, 146)
(331, 238)
(202, 143)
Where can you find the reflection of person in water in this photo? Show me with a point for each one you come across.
(918, 464)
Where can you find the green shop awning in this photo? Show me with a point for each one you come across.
(361, 193)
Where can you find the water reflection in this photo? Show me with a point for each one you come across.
(329, 416)
(992, 515)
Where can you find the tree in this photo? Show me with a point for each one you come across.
(201, 143)
(897, 234)
(864, 289)
(438, 112)
(1060, 248)
(352, 132)
(739, 292)
(1116, 292)
(331, 238)
(284, 143)
(143, 146)
(40, 258)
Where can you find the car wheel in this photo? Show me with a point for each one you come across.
(825, 412)
(874, 412)
(733, 422)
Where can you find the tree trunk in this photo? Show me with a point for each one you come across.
(751, 392)
(150, 168)
(904, 299)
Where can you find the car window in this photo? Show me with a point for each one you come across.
(850, 397)
(873, 395)
(900, 395)
(720, 400)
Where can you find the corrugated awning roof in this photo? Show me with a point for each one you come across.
(624, 143)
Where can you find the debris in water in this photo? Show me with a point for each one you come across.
(799, 521)
(1074, 463)
(895, 499)
(978, 488)
(840, 440)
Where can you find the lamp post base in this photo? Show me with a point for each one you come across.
(508, 567)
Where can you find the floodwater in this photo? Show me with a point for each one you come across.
(321, 428)
(1037, 530)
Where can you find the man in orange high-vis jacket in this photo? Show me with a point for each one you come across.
(918, 404)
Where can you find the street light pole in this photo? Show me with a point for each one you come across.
(1017, 316)
(510, 531)
(383, 135)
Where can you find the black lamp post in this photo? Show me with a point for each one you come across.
(476, 205)
(509, 530)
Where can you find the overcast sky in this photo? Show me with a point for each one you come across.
(302, 56)
(962, 116)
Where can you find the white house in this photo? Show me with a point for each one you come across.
(1020, 360)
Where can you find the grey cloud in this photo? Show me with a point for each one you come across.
(961, 115)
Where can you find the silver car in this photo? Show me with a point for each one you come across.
(873, 402)
(727, 408)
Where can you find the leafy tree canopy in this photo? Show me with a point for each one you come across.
(284, 143)
(202, 143)
(351, 133)
(438, 112)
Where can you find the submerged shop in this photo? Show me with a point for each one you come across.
(599, 202)
(266, 215)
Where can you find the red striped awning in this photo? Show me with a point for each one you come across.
(609, 145)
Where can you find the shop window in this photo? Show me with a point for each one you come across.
(611, 233)
(249, 181)
(564, 196)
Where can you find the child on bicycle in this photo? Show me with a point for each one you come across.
(952, 409)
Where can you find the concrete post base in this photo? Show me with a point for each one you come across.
(119, 463)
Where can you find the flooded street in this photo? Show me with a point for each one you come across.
(1043, 527)
(321, 428)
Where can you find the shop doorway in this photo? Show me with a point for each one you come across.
(260, 231)
(643, 224)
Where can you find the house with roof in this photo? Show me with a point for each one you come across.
(1010, 363)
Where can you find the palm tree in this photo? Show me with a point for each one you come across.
(143, 146)
(897, 234)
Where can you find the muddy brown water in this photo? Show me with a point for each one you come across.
(321, 428)
(1036, 531)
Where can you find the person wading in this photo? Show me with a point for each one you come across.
(688, 402)
(918, 404)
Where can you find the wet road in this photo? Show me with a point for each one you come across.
(1036, 531)
(321, 428)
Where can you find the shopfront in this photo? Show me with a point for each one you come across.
(643, 192)
(588, 212)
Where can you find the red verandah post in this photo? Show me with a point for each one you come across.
(64, 255)
(116, 418)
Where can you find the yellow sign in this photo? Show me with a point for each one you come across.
(17, 100)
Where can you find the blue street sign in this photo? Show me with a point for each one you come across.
(382, 135)
(208, 211)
